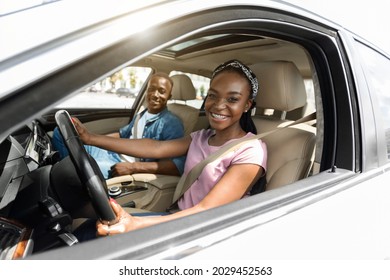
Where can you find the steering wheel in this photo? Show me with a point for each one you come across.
(89, 174)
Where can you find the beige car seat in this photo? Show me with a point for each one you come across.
(182, 91)
(290, 150)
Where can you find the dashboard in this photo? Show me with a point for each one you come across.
(35, 143)
(22, 152)
(26, 159)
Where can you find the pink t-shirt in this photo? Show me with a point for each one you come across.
(254, 152)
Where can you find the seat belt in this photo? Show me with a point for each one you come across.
(135, 127)
(186, 181)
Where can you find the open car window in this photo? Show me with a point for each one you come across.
(117, 91)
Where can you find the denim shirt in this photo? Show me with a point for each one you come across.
(163, 126)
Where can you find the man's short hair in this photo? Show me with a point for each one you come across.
(165, 76)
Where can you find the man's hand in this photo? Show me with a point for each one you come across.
(82, 130)
(165, 166)
(125, 168)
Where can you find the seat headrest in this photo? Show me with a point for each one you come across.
(183, 89)
(281, 86)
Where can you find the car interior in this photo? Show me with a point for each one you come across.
(51, 201)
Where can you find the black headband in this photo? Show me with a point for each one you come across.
(246, 70)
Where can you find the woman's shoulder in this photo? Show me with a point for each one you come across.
(259, 143)
(202, 134)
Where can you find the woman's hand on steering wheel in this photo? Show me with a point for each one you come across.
(125, 222)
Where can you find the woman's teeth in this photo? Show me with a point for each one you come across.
(221, 117)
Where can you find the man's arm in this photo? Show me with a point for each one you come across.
(165, 167)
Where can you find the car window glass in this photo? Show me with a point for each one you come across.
(201, 85)
(377, 69)
(117, 91)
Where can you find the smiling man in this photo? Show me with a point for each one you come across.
(155, 122)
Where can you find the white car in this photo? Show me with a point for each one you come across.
(328, 179)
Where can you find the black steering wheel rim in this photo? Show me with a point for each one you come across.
(90, 177)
